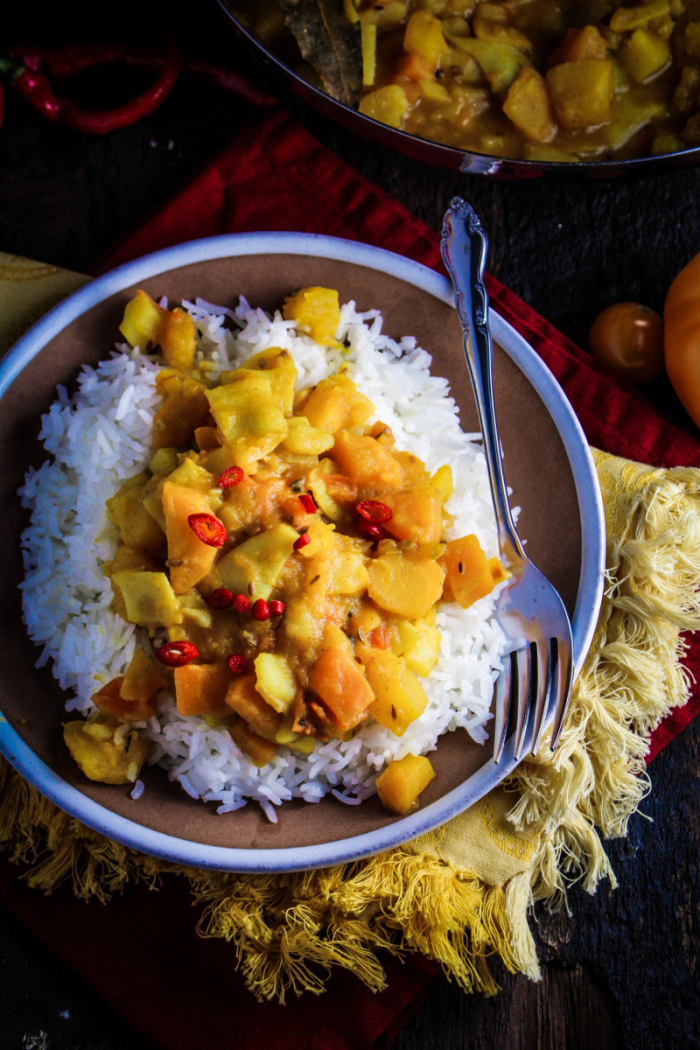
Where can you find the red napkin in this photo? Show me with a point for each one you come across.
(141, 952)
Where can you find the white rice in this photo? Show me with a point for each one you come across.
(100, 436)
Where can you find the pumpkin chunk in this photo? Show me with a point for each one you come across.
(341, 685)
(189, 558)
(364, 460)
(200, 689)
(400, 784)
(259, 750)
(468, 571)
(243, 698)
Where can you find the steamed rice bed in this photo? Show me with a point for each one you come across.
(102, 435)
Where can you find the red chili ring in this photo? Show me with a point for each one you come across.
(370, 531)
(307, 502)
(237, 664)
(260, 610)
(374, 511)
(231, 477)
(301, 542)
(241, 603)
(176, 654)
(208, 529)
(276, 607)
(221, 598)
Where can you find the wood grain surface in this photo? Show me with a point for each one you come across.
(620, 969)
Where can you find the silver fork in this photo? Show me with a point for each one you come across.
(538, 670)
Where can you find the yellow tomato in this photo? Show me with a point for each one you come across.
(628, 338)
(682, 337)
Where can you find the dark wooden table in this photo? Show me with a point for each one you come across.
(620, 970)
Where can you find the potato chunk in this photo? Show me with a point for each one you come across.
(148, 598)
(249, 417)
(405, 586)
(317, 310)
(174, 331)
(387, 104)
(581, 92)
(400, 698)
(109, 754)
(184, 408)
(335, 404)
(254, 566)
(644, 55)
(400, 784)
(529, 107)
(275, 681)
(280, 369)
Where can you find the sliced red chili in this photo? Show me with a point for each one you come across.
(176, 654)
(370, 531)
(231, 477)
(237, 664)
(276, 607)
(221, 598)
(241, 603)
(260, 610)
(208, 529)
(302, 541)
(307, 502)
(373, 510)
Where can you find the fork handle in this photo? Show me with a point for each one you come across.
(464, 246)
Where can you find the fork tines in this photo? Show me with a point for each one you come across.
(524, 692)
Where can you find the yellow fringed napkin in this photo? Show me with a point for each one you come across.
(464, 891)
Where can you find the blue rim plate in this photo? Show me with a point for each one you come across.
(387, 266)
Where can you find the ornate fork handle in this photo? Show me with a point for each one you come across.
(464, 239)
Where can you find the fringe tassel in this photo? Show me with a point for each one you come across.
(631, 679)
(400, 902)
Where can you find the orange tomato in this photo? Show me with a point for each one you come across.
(682, 337)
(629, 339)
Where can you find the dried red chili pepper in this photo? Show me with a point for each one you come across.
(302, 541)
(237, 664)
(67, 61)
(36, 89)
(231, 477)
(208, 529)
(221, 598)
(241, 603)
(307, 502)
(373, 510)
(260, 610)
(276, 607)
(176, 654)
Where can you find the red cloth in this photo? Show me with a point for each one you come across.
(141, 952)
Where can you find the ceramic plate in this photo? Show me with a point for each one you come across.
(548, 466)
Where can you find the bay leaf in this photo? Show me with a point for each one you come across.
(330, 43)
